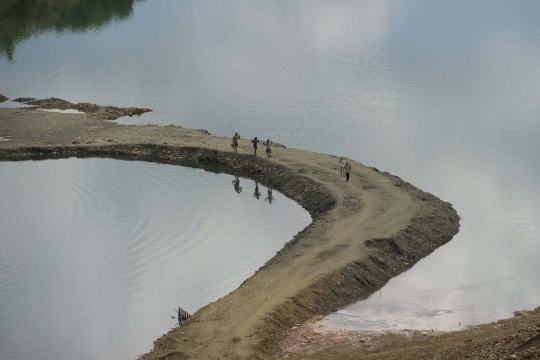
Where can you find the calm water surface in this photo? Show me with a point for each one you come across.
(442, 94)
(96, 253)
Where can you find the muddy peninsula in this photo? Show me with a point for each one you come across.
(363, 232)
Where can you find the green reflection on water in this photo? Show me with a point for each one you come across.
(21, 19)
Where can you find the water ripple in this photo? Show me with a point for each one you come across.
(87, 243)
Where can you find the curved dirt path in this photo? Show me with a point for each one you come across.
(363, 232)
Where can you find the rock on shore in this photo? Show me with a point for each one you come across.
(102, 112)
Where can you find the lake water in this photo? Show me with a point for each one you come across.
(95, 254)
(442, 94)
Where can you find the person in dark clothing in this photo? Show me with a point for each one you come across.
(255, 142)
(347, 171)
(257, 194)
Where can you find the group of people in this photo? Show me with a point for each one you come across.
(344, 167)
(255, 142)
(257, 193)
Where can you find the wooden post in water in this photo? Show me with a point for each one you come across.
(182, 315)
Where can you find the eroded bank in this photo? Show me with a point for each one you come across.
(363, 232)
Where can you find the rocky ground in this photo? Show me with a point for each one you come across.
(516, 338)
(100, 112)
(363, 233)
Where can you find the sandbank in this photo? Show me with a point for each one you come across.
(363, 232)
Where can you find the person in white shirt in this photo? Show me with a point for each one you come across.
(268, 149)
(342, 166)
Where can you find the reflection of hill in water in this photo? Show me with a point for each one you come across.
(21, 19)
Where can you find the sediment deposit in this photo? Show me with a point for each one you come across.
(364, 231)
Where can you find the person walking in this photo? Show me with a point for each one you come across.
(255, 142)
(257, 193)
(342, 166)
(347, 171)
(268, 149)
(236, 184)
(270, 198)
(235, 139)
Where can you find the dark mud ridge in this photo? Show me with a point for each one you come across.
(101, 112)
(313, 197)
(3, 98)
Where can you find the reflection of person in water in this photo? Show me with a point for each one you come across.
(236, 183)
(257, 194)
(270, 198)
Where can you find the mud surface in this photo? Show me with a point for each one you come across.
(516, 338)
(101, 112)
(363, 232)
(3, 98)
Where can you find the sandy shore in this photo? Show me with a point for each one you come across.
(363, 232)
